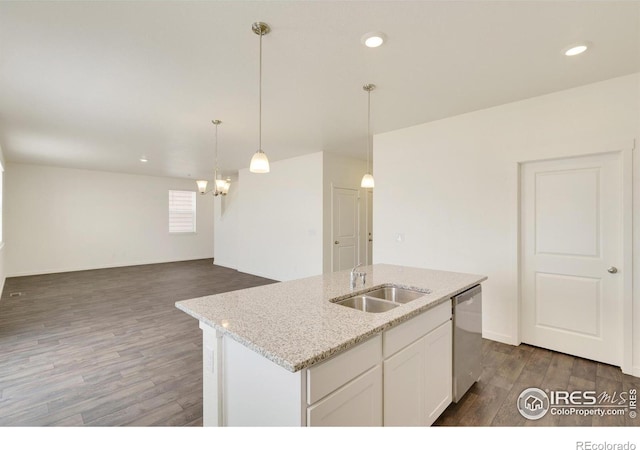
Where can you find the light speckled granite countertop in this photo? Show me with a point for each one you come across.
(294, 324)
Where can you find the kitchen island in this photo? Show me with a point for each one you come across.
(287, 354)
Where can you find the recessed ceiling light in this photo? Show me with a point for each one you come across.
(576, 49)
(143, 159)
(373, 39)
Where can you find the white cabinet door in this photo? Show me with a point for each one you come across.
(417, 380)
(404, 386)
(438, 376)
(356, 404)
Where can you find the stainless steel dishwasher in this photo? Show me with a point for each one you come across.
(467, 340)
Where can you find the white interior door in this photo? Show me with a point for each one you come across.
(572, 274)
(344, 231)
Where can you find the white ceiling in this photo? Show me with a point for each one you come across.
(97, 84)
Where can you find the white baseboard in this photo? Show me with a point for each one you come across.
(222, 263)
(2, 266)
(499, 337)
(257, 274)
(101, 266)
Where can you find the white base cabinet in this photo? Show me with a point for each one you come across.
(405, 387)
(400, 377)
(418, 380)
(439, 373)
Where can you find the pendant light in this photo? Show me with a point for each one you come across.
(260, 162)
(221, 187)
(227, 185)
(367, 179)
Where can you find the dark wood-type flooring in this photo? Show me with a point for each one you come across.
(108, 348)
(509, 370)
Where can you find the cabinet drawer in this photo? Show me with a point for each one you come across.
(357, 404)
(407, 332)
(329, 375)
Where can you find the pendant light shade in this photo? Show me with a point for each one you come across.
(225, 188)
(220, 184)
(202, 186)
(367, 179)
(260, 162)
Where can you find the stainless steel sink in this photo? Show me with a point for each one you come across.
(367, 304)
(381, 299)
(396, 294)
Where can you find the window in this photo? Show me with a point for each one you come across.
(182, 212)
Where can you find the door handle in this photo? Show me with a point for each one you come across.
(612, 269)
(336, 242)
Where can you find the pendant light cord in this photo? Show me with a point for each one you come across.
(260, 99)
(368, 128)
(216, 159)
(366, 199)
(259, 160)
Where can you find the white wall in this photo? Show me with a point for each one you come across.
(450, 187)
(59, 220)
(2, 222)
(225, 224)
(636, 236)
(344, 172)
(278, 225)
(280, 219)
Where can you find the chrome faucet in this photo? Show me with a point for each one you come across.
(355, 275)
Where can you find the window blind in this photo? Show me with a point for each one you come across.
(182, 212)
